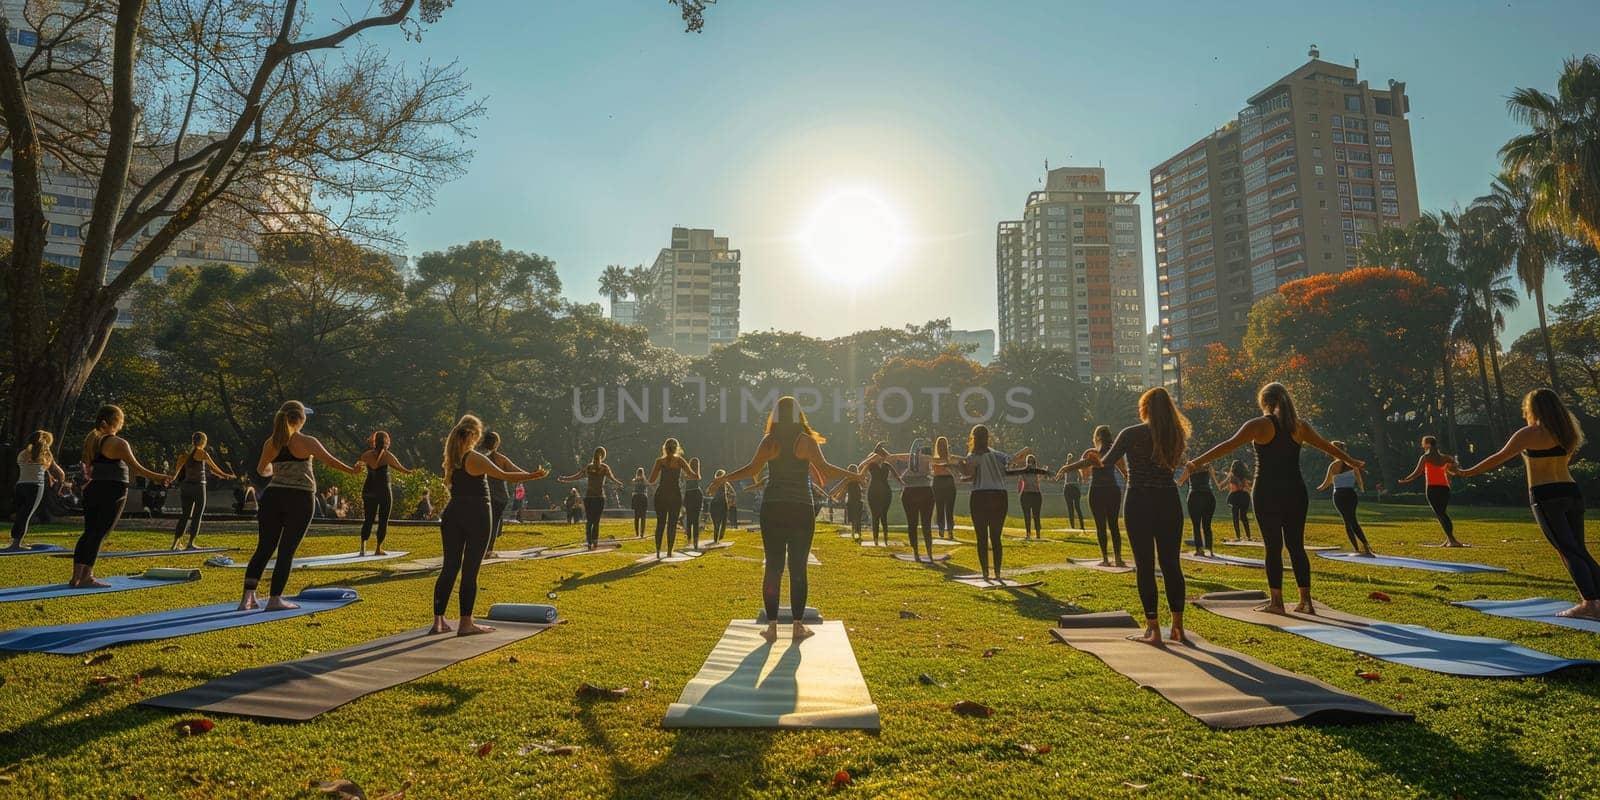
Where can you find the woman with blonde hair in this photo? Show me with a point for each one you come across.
(1548, 444)
(989, 501)
(594, 474)
(721, 502)
(193, 467)
(499, 491)
(285, 507)
(1105, 496)
(107, 459)
(36, 465)
(467, 522)
(1154, 513)
(1279, 496)
(944, 490)
(666, 476)
(790, 452)
(377, 494)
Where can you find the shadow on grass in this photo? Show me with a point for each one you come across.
(448, 698)
(1438, 766)
(576, 581)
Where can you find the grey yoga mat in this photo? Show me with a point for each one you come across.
(307, 687)
(814, 683)
(1217, 686)
(335, 560)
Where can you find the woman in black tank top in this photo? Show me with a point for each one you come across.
(595, 475)
(1105, 498)
(377, 495)
(109, 460)
(669, 470)
(192, 470)
(791, 453)
(1280, 495)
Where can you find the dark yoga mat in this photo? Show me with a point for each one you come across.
(307, 687)
(153, 553)
(1217, 686)
(85, 636)
(119, 583)
(34, 549)
(1411, 645)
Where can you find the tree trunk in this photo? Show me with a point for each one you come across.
(1499, 387)
(1491, 418)
(1450, 404)
(1380, 441)
(1544, 335)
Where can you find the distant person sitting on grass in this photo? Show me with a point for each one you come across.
(424, 506)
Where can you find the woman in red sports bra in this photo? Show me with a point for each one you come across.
(1437, 467)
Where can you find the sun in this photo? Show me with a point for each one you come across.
(854, 236)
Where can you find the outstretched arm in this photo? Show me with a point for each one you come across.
(486, 466)
(1515, 445)
(122, 452)
(1327, 480)
(766, 451)
(1310, 436)
(1414, 473)
(321, 452)
(221, 473)
(1246, 433)
(810, 451)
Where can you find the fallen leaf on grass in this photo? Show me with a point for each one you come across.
(1378, 596)
(600, 693)
(549, 750)
(193, 727)
(967, 708)
(928, 680)
(1138, 787)
(1441, 587)
(910, 615)
(246, 646)
(1189, 776)
(101, 680)
(1031, 750)
(171, 647)
(483, 750)
(341, 789)
(1290, 780)
(990, 652)
(1367, 675)
(513, 660)
(840, 780)
(97, 658)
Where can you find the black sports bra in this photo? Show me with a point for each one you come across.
(1548, 452)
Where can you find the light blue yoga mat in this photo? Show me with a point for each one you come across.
(1225, 559)
(1537, 609)
(85, 636)
(34, 549)
(153, 553)
(119, 583)
(1412, 563)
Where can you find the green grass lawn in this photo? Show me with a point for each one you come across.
(649, 629)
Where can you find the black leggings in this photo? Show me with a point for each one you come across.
(593, 509)
(497, 520)
(641, 504)
(944, 504)
(1105, 502)
(1439, 500)
(878, 504)
(1032, 507)
(1201, 506)
(692, 501)
(466, 526)
(669, 503)
(1239, 501)
(25, 500)
(856, 515)
(988, 508)
(102, 507)
(1281, 513)
(719, 519)
(786, 531)
(1072, 495)
(917, 502)
(1561, 519)
(1155, 532)
(192, 497)
(282, 517)
(1346, 500)
(375, 508)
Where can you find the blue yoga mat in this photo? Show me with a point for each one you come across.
(119, 583)
(1425, 648)
(151, 553)
(85, 636)
(34, 549)
(1412, 563)
(1537, 609)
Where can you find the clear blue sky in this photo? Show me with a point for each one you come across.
(607, 124)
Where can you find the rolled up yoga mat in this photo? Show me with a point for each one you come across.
(307, 687)
(1411, 563)
(85, 636)
(154, 576)
(1411, 645)
(786, 616)
(1219, 687)
(746, 682)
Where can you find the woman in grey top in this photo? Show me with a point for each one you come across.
(193, 467)
(35, 466)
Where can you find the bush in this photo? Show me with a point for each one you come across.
(407, 489)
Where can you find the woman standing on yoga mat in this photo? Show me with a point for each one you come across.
(107, 459)
(720, 503)
(854, 511)
(944, 490)
(499, 492)
(1201, 504)
(1280, 497)
(916, 499)
(879, 495)
(35, 466)
(669, 492)
(594, 476)
(284, 511)
(1071, 492)
(790, 451)
(988, 502)
(1238, 486)
(1548, 445)
(692, 500)
(1105, 496)
(1154, 449)
(377, 496)
(640, 501)
(1438, 468)
(192, 469)
(1345, 483)
(1031, 498)
(467, 522)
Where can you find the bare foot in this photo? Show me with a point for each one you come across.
(280, 604)
(440, 626)
(1367, 553)
(380, 552)
(1105, 562)
(1151, 635)
(248, 602)
(1121, 563)
(802, 632)
(1272, 608)
(90, 582)
(1178, 636)
(771, 633)
(190, 546)
(1305, 608)
(471, 629)
(1453, 543)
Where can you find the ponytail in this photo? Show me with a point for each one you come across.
(462, 437)
(1275, 402)
(197, 444)
(378, 441)
(38, 448)
(599, 457)
(291, 417)
(1102, 436)
(1169, 429)
(109, 416)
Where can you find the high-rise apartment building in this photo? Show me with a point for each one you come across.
(1315, 163)
(981, 342)
(693, 304)
(1068, 275)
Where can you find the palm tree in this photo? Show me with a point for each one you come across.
(1481, 240)
(1425, 247)
(1561, 151)
(614, 283)
(1532, 245)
